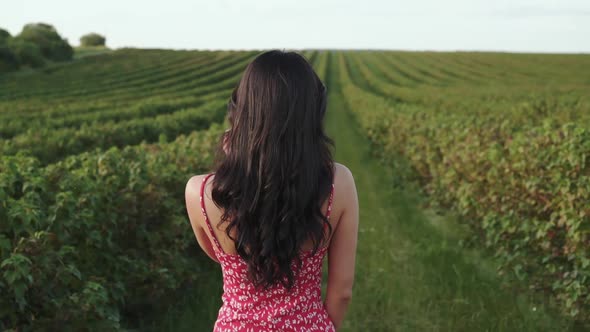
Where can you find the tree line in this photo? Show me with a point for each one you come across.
(38, 44)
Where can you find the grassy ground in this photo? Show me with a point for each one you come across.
(84, 51)
(411, 274)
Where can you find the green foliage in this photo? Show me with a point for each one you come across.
(97, 233)
(50, 145)
(51, 44)
(33, 47)
(25, 52)
(8, 61)
(518, 175)
(95, 158)
(4, 36)
(92, 39)
(93, 228)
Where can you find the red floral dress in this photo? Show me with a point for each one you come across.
(245, 309)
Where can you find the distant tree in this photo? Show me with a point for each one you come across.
(25, 52)
(4, 35)
(93, 39)
(8, 60)
(50, 43)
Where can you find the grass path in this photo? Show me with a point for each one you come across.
(411, 275)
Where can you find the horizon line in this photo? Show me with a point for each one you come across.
(355, 49)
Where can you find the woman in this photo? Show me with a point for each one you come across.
(276, 203)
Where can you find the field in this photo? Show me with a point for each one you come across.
(472, 171)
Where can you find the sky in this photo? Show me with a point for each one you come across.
(548, 26)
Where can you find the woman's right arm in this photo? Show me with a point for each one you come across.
(342, 251)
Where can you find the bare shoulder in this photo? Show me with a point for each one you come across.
(193, 185)
(345, 194)
(343, 177)
(192, 194)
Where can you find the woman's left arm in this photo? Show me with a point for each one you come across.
(195, 215)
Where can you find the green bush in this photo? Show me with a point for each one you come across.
(26, 53)
(50, 43)
(32, 47)
(4, 35)
(8, 60)
(98, 235)
(93, 39)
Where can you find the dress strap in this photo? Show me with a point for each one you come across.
(330, 202)
(216, 242)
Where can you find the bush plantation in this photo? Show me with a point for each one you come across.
(501, 139)
(92, 179)
(95, 155)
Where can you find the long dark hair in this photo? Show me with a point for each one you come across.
(276, 169)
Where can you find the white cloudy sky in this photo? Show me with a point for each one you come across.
(502, 25)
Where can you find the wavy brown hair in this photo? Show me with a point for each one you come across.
(276, 169)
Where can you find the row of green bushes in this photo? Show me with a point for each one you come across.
(49, 120)
(121, 65)
(97, 235)
(56, 119)
(523, 189)
(198, 79)
(50, 145)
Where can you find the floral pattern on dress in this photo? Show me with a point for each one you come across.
(246, 309)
